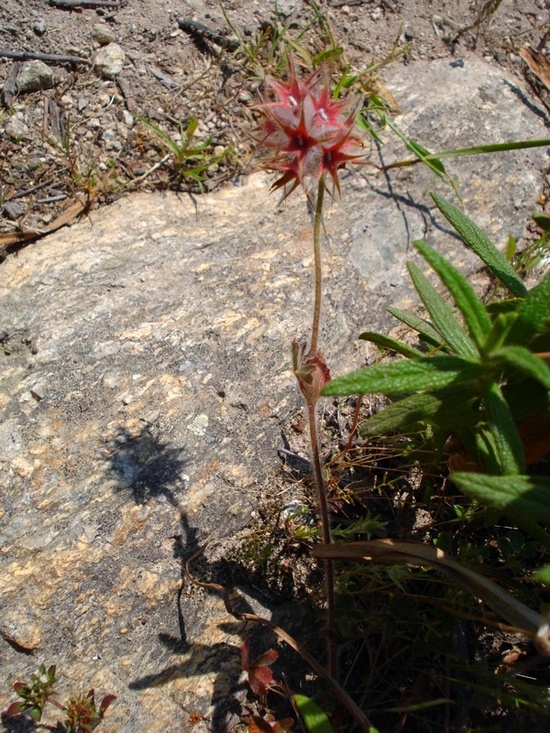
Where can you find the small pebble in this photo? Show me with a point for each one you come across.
(13, 210)
(40, 27)
(103, 34)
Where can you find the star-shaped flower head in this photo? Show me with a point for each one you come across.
(309, 133)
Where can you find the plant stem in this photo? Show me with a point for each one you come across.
(325, 527)
(314, 435)
(318, 266)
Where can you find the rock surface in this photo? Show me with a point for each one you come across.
(145, 383)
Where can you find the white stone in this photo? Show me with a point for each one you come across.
(109, 61)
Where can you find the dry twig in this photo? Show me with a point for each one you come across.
(51, 57)
(13, 239)
(88, 3)
(358, 715)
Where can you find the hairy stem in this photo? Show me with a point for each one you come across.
(318, 266)
(314, 434)
(325, 527)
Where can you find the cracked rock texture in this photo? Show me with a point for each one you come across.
(145, 383)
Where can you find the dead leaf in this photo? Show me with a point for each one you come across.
(11, 239)
(538, 63)
(260, 676)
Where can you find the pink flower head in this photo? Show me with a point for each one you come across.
(309, 132)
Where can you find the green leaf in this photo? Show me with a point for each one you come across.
(528, 495)
(533, 314)
(192, 127)
(495, 148)
(330, 54)
(473, 310)
(315, 720)
(385, 342)
(450, 408)
(502, 325)
(422, 154)
(441, 314)
(482, 246)
(509, 449)
(511, 247)
(508, 305)
(420, 325)
(542, 575)
(415, 375)
(525, 361)
(481, 447)
(542, 220)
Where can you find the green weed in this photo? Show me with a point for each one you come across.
(189, 159)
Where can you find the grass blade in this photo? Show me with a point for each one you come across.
(478, 150)
(423, 155)
(399, 551)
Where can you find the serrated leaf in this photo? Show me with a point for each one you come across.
(510, 454)
(416, 375)
(533, 314)
(529, 495)
(482, 246)
(420, 325)
(525, 361)
(385, 342)
(449, 408)
(472, 309)
(315, 719)
(441, 314)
